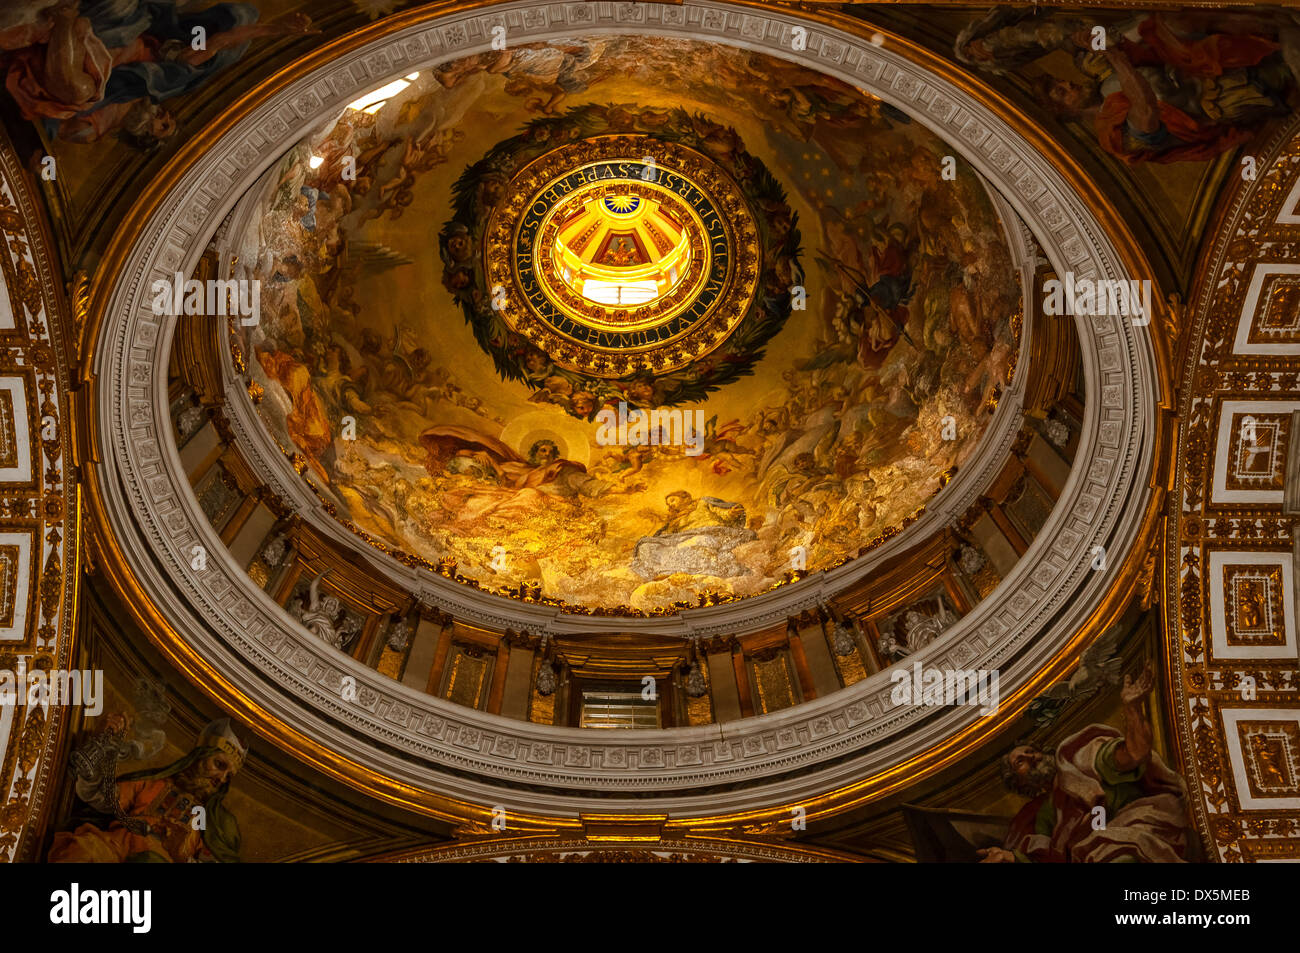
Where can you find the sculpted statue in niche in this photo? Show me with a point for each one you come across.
(324, 617)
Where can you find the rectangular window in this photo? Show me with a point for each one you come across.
(610, 709)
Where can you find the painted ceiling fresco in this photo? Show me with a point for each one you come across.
(474, 449)
(858, 309)
(1156, 102)
(1164, 87)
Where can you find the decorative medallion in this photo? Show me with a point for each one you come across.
(624, 265)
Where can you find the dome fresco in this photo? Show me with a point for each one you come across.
(816, 329)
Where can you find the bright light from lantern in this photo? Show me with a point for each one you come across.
(373, 101)
(620, 293)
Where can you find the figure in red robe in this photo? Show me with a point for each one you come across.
(502, 483)
(1103, 797)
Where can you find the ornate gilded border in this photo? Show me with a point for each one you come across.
(1207, 682)
(578, 850)
(45, 508)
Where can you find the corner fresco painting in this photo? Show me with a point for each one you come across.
(1101, 793)
(1161, 87)
(175, 813)
(92, 69)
